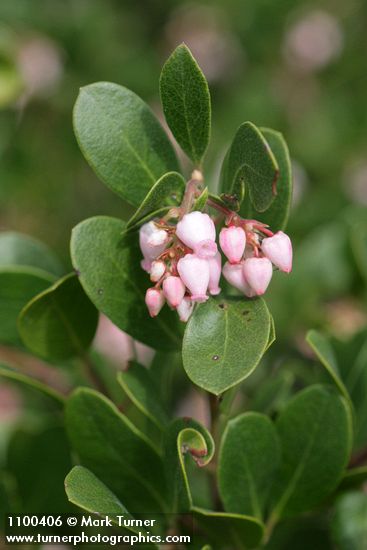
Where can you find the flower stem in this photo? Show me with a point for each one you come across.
(190, 192)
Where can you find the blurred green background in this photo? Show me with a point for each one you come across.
(296, 66)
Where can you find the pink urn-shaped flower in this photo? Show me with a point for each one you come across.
(233, 273)
(157, 270)
(258, 273)
(233, 242)
(197, 231)
(154, 300)
(153, 242)
(215, 269)
(185, 309)
(195, 273)
(174, 290)
(278, 249)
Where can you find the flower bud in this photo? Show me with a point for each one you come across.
(215, 268)
(185, 309)
(195, 273)
(233, 273)
(258, 273)
(194, 230)
(152, 242)
(278, 249)
(233, 241)
(174, 290)
(157, 270)
(154, 300)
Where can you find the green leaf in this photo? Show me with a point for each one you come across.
(60, 322)
(141, 388)
(224, 342)
(109, 445)
(85, 490)
(184, 437)
(22, 250)
(111, 275)
(273, 392)
(250, 163)
(13, 374)
(165, 194)
(248, 462)
(276, 216)
(301, 533)
(349, 524)
(186, 102)
(316, 433)
(325, 353)
(88, 492)
(272, 333)
(122, 140)
(351, 356)
(201, 201)
(18, 285)
(230, 530)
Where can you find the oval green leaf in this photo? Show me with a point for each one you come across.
(186, 102)
(85, 490)
(110, 273)
(165, 194)
(109, 445)
(230, 530)
(248, 462)
(140, 386)
(14, 374)
(22, 250)
(60, 322)
(276, 216)
(325, 353)
(88, 492)
(122, 140)
(18, 285)
(250, 167)
(224, 342)
(315, 431)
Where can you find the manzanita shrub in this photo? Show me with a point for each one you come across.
(185, 275)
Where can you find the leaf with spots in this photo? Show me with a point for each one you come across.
(224, 341)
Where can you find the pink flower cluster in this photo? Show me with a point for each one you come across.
(184, 262)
